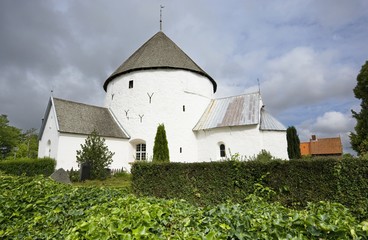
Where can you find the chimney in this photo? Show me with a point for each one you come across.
(314, 138)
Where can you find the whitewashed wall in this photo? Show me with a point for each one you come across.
(276, 143)
(246, 140)
(171, 89)
(70, 143)
(48, 144)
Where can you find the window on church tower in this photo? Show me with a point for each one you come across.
(131, 84)
(140, 151)
(222, 150)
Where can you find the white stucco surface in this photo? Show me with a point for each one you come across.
(48, 144)
(178, 99)
(70, 143)
(247, 141)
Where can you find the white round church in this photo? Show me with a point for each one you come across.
(160, 84)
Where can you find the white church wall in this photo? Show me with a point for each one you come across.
(48, 144)
(276, 143)
(247, 141)
(70, 143)
(244, 140)
(176, 98)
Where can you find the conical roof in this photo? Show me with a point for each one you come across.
(158, 52)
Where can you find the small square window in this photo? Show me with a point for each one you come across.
(131, 84)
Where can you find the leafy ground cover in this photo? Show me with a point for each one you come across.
(38, 208)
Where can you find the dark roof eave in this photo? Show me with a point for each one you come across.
(109, 79)
(272, 130)
(228, 126)
(86, 134)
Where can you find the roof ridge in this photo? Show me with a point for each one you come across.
(70, 101)
(159, 52)
(239, 95)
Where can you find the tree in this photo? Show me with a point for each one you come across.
(9, 136)
(28, 146)
(95, 153)
(359, 139)
(160, 148)
(293, 143)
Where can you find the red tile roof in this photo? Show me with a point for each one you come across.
(322, 146)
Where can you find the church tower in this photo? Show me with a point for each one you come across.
(159, 83)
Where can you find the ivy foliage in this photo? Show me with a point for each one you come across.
(161, 148)
(96, 154)
(39, 208)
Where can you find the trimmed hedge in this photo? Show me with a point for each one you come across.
(295, 182)
(28, 167)
(352, 188)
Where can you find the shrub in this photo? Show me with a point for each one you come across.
(263, 156)
(160, 148)
(74, 175)
(28, 167)
(295, 182)
(96, 154)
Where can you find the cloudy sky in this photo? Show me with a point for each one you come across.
(305, 53)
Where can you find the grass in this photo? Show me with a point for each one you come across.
(116, 181)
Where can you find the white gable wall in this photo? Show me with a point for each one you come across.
(48, 144)
(70, 143)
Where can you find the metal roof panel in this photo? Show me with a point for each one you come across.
(231, 111)
(269, 123)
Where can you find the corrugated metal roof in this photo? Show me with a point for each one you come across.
(232, 111)
(159, 52)
(269, 123)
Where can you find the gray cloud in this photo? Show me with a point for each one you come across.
(305, 53)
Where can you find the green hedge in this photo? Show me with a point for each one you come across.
(295, 182)
(353, 186)
(28, 167)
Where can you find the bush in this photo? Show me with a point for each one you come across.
(96, 154)
(295, 182)
(160, 147)
(28, 167)
(39, 208)
(74, 175)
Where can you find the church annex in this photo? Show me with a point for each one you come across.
(157, 84)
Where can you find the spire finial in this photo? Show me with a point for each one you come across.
(161, 7)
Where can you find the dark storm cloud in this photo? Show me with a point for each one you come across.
(306, 54)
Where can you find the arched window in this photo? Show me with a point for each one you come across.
(140, 151)
(222, 150)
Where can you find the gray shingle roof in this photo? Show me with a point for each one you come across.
(231, 111)
(81, 118)
(158, 52)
